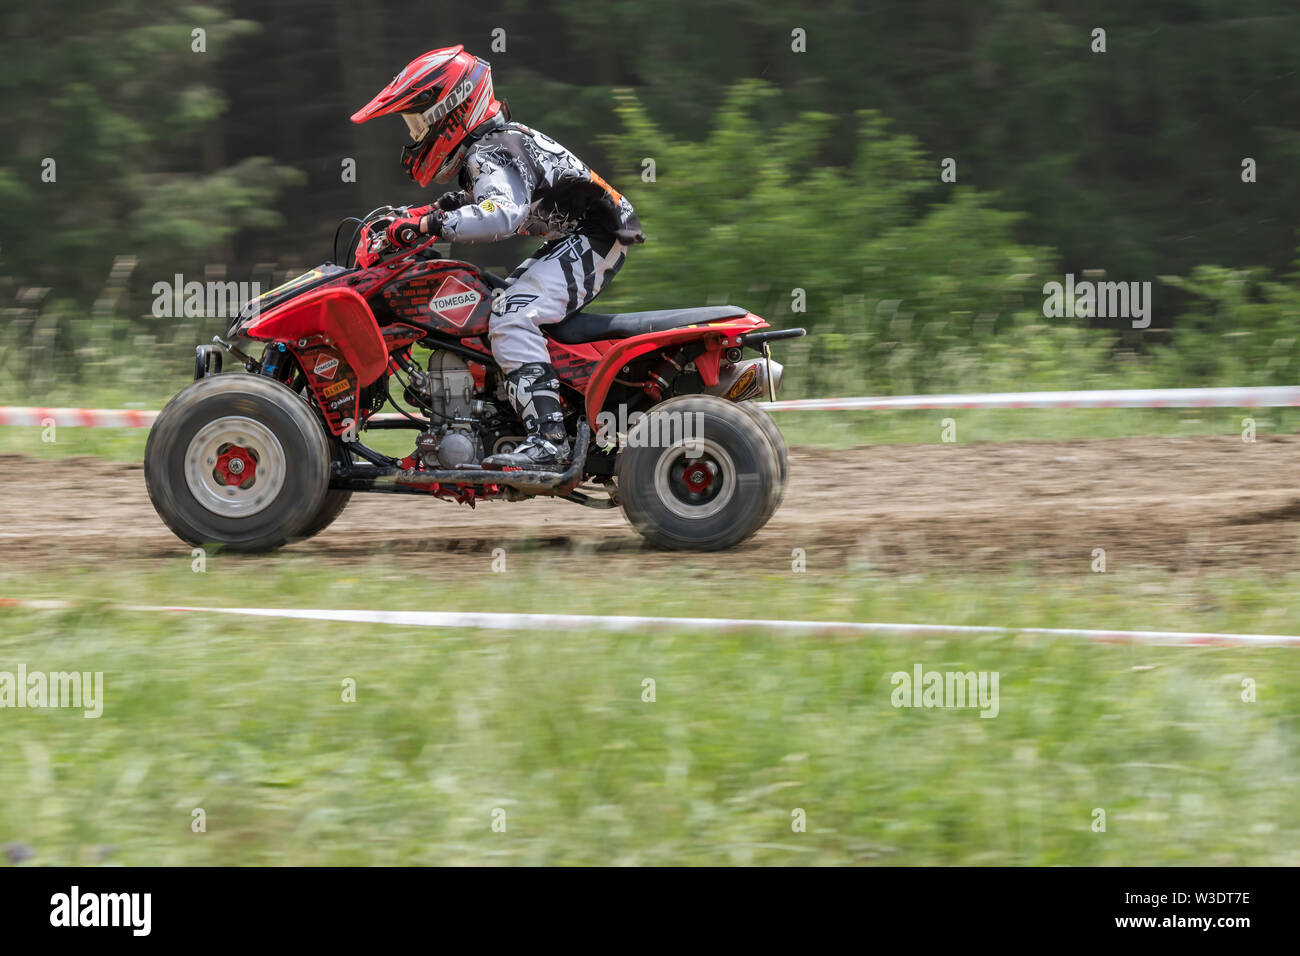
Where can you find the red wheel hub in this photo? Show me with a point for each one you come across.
(698, 477)
(236, 466)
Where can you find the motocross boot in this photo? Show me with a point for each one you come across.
(534, 391)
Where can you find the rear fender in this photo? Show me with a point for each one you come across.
(574, 364)
(716, 336)
(337, 342)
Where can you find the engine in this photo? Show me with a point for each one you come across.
(447, 392)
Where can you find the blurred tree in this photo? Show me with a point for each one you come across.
(109, 142)
(1127, 160)
(890, 270)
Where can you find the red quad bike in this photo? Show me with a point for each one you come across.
(252, 461)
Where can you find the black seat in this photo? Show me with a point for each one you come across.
(596, 326)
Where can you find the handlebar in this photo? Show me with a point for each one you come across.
(371, 236)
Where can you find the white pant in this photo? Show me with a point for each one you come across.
(562, 277)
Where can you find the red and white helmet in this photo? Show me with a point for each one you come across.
(443, 95)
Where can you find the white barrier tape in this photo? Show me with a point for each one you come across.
(483, 620)
(1267, 396)
(1264, 396)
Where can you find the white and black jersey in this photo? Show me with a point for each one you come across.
(521, 182)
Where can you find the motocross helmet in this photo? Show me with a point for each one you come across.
(444, 96)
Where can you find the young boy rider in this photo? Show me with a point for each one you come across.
(514, 181)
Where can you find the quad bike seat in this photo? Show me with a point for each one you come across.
(582, 327)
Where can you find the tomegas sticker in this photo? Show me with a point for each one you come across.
(454, 301)
(326, 367)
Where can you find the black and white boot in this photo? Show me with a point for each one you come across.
(534, 391)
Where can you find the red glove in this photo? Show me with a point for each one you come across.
(418, 221)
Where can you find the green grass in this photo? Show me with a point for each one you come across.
(849, 429)
(244, 718)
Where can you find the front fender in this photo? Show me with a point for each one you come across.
(337, 342)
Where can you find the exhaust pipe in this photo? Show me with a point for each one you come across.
(748, 379)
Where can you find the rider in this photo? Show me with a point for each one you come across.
(514, 181)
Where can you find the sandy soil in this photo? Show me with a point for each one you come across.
(1178, 504)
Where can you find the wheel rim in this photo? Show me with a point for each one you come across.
(695, 487)
(234, 466)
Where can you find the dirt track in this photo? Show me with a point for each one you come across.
(1170, 503)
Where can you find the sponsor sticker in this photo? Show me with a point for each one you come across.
(487, 205)
(326, 367)
(742, 387)
(453, 99)
(336, 389)
(454, 301)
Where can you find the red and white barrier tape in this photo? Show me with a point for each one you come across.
(482, 620)
(1266, 396)
(76, 417)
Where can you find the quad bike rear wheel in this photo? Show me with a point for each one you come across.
(238, 460)
(764, 420)
(705, 490)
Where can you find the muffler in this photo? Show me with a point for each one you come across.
(748, 379)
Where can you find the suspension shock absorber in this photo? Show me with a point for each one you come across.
(271, 359)
(660, 378)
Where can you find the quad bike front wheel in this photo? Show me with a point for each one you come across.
(706, 488)
(238, 460)
(336, 499)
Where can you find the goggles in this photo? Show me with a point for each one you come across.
(417, 125)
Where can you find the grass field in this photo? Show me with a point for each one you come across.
(245, 718)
